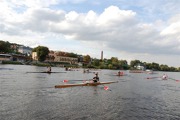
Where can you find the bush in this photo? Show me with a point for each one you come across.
(12, 62)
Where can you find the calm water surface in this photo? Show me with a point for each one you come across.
(32, 96)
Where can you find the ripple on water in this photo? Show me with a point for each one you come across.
(33, 97)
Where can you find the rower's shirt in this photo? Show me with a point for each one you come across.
(96, 78)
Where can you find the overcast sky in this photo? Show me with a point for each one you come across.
(146, 30)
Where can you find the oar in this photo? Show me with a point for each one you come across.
(152, 77)
(175, 79)
(75, 80)
(106, 87)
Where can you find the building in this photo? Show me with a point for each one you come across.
(34, 56)
(14, 57)
(58, 56)
(70, 60)
(6, 57)
(20, 58)
(140, 67)
(51, 56)
(25, 50)
(14, 47)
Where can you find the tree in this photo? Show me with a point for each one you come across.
(72, 55)
(155, 66)
(96, 62)
(148, 65)
(5, 47)
(164, 68)
(42, 52)
(123, 64)
(110, 66)
(114, 61)
(133, 63)
(87, 59)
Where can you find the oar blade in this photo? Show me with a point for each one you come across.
(106, 87)
(65, 81)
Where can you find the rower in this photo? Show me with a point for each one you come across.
(96, 78)
(164, 77)
(66, 69)
(49, 69)
(120, 73)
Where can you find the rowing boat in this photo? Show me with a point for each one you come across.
(45, 72)
(164, 78)
(84, 84)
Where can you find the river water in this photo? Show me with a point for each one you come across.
(32, 96)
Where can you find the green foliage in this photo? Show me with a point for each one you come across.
(110, 66)
(164, 68)
(96, 62)
(123, 64)
(42, 52)
(87, 59)
(72, 55)
(109, 61)
(12, 62)
(114, 61)
(134, 63)
(155, 66)
(5, 47)
(103, 66)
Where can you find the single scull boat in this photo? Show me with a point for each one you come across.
(84, 84)
(45, 72)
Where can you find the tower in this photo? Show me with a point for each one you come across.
(101, 55)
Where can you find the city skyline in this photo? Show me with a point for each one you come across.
(148, 31)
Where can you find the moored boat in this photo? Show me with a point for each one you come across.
(84, 84)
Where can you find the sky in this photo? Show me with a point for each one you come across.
(145, 30)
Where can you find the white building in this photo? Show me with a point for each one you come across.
(34, 56)
(140, 67)
(25, 50)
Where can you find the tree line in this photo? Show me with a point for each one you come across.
(113, 63)
(5, 47)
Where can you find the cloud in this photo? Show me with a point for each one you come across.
(118, 29)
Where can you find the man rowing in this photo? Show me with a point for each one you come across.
(96, 78)
(49, 69)
(164, 77)
(120, 73)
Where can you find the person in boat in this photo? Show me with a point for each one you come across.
(49, 69)
(164, 77)
(120, 73)
(96, 78)
(66, 69)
